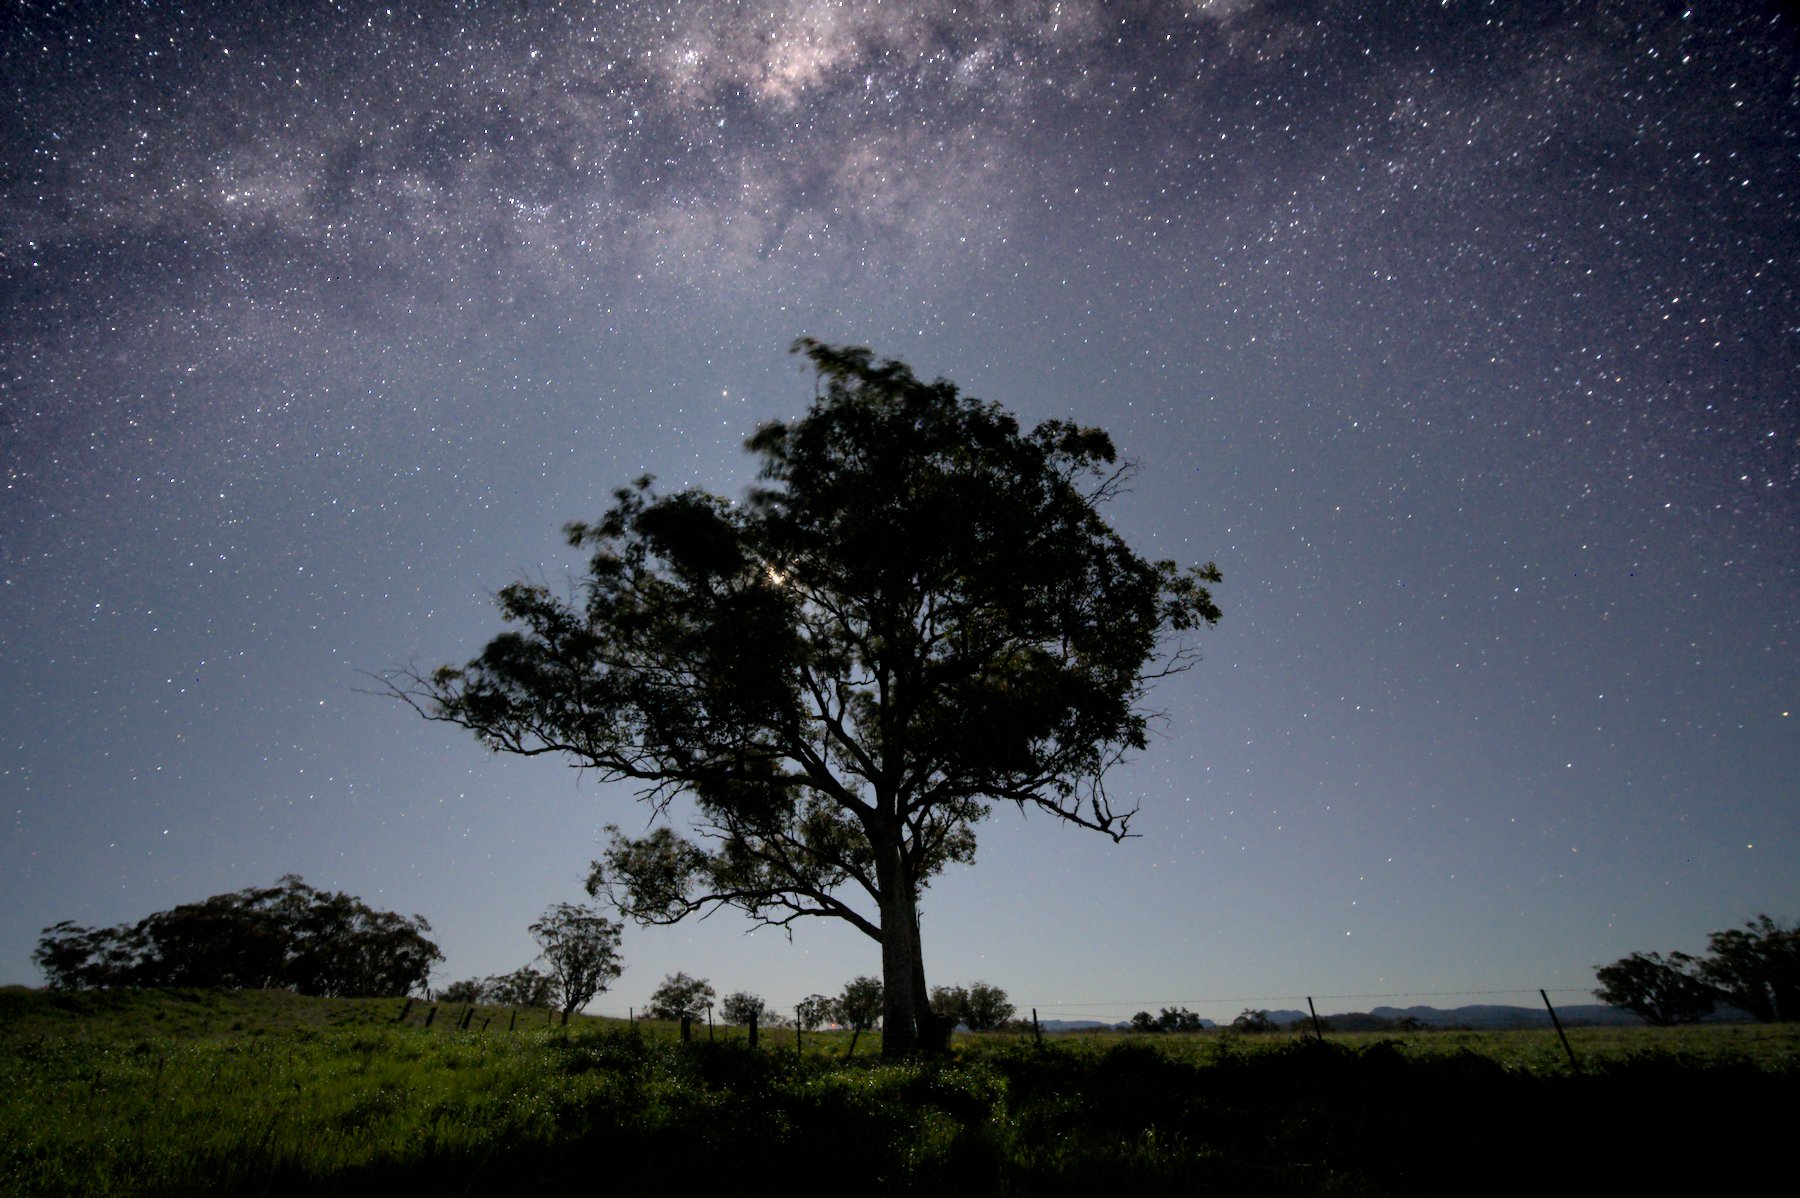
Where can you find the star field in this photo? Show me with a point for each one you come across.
(1462, 336)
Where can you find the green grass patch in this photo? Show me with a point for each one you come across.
(202, 1093)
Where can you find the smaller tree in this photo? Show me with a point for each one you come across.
(1177, 1019)
(680, 995)
(949, 1002)
(980, 1007)
(859, 1007)
(1144, 1021)
(813, 1012)
(469, 990)
(582, 950)
(742, 1008)
(1662, 991)
(523, 987)
(1253, 1021)
(987, 1008)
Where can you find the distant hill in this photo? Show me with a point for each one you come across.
(1489, 1015)
(1074, 1025)
(1480, 1017)
(1573, 1015)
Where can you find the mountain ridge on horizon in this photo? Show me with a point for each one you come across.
(1474, 1017)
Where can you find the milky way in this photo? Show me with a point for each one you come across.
(1462, 336)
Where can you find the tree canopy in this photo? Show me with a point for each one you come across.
(1171, 1019)
(680, 995)
(525, 986)
(814, 1011)
(1755, 968)
(1659, 991)
(1256, 1019)
(918, 613)
(289, 936)
(581, 949)
(980, 1007)
(742, 1008)
(859, 1007)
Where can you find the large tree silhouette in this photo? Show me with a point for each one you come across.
(919, 613)
(288, 935)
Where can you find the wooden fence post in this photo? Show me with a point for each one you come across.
(404, 1011)
(430, 1015)
(1318, 1030)
(514, 1021)
(753, 1029)
(687, 1029)
(1037, 1031)
(1573, 1063)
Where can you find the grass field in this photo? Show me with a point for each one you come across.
(173, 1092)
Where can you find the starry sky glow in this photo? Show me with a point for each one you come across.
(1462, 336)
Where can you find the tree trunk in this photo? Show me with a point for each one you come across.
(921, 996)
(933, 1031)
(899, 954)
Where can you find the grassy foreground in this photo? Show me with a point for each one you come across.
(207, 1093)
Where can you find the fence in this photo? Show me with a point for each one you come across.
(1176, 1015)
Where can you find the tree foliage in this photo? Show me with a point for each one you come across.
(1178, 1019)
(814, 1011)
(920, 613)
(860, 1003)
(524, 987)
(1661, 991)
(980, 1007)
(949, 1002)
(1253, 1020)
(582, 951)
(1170, 1019)
(1755, 968)
(741, 1008)
(469, 990)
(859, 1007)
(988, 1008)
(288, 936)
(680, 995)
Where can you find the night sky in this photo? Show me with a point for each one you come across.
(1464, 337)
